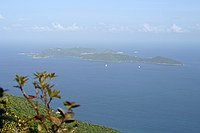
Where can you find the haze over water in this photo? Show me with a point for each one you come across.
(130, 97)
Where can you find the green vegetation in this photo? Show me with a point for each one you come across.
(28, 114)
(45, 120)
(162, 60)
(100, 55)
(4, 117)
(21, 107)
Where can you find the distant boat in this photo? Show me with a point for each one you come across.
(106, 65)
(139, 66)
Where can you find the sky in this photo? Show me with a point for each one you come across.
(100, 21)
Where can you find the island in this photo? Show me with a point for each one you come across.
(100, 55)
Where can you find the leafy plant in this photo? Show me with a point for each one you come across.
(44, 91)
(21, 107)
(3, 110)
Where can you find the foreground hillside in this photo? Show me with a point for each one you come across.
(22, 108)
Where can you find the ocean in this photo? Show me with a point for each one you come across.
(146, 99)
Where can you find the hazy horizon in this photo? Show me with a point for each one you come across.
(64, 22)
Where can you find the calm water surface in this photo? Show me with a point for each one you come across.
(149, 99)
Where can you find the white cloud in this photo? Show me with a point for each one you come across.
(176, 29)
(38, 29)
(160, 29)
(55, 27)
(119, 29)
(150, 28)
(1, 17)
(111, 28)
(58, 27)
(101, 27)
(73, 27)
(145, 28)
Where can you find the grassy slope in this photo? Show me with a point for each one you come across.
(22, 107)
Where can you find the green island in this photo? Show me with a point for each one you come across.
(100, 55)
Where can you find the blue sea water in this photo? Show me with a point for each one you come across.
(149, 99)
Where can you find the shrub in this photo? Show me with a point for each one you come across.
(5, 118)
(46, 121)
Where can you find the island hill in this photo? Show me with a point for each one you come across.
(100, 55)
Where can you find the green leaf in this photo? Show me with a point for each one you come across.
(49, 91)
(52, 75)
(75, 106)
(55, 94)
(58, 96)
(21, 80)
(67, 104)
(39, 75)
(70, 105)
(39, 127)
(16, 86)
(36, 85)
(62, 111)
(51, 86)
(36, 75)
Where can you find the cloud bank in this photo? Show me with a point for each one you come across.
(37, 29)
(111, 28)
(150, 28)
(55, 27)
(100, 27)
(74, 27)
(176, 29)
(160, 29)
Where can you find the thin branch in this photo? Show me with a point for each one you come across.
(48, 103)
(27, 97)
(36, 104)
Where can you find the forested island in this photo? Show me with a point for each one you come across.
(100, 55)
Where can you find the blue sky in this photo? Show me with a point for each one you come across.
(102, 21)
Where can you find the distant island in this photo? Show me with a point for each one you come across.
(100, 55)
